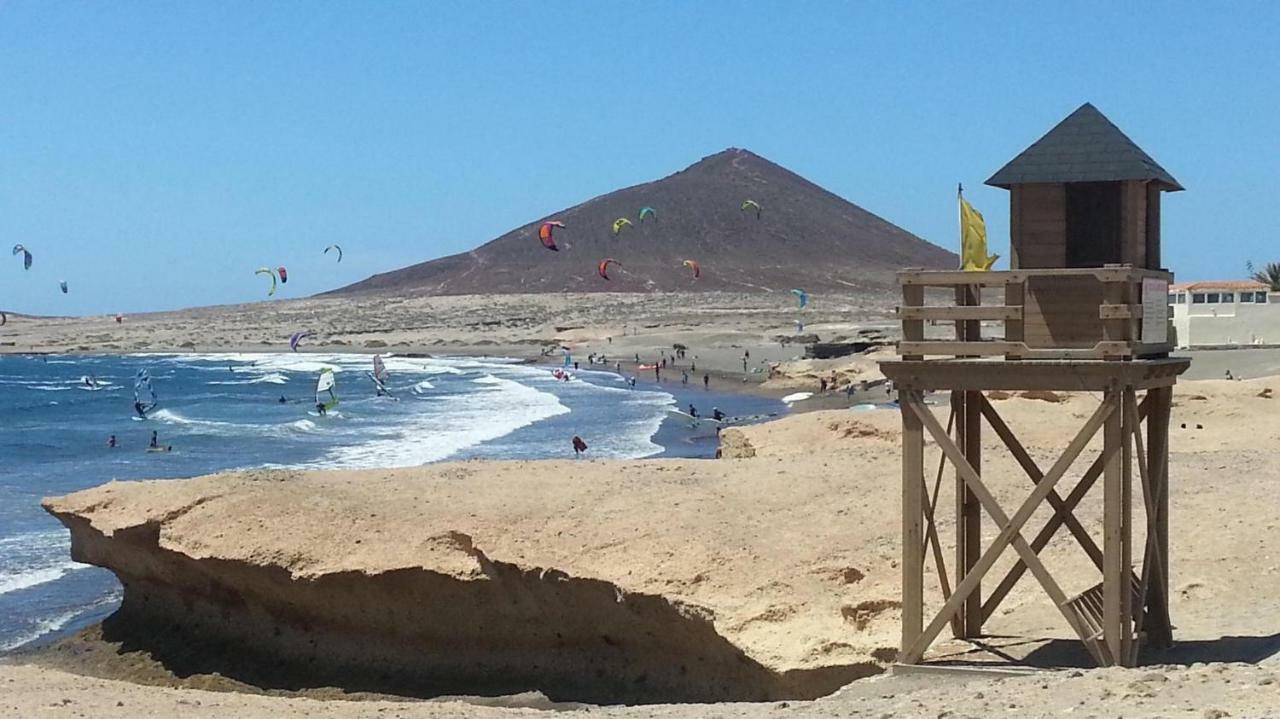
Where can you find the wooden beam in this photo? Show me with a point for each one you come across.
(985, 312)
(996, 278)
(1101, 350)
(912, 530)
(1119, 312)
(1060, 375)
(1009, 527)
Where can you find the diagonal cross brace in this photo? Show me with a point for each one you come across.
(1041, 540)
(1033, 471)
(1009, 527)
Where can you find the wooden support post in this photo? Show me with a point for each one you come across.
(1127, 432)
(912, 330)
(1158, 627)
(912, 525)
(969, 510)
(1116, 587)
(968, 407)
(1013, 329)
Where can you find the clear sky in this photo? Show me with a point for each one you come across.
(154, 153)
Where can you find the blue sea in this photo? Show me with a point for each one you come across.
(224, 411)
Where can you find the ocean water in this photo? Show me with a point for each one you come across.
(223, 411)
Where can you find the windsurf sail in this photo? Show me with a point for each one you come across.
(143, 393)
(295, 338)
(380, 375)
(326, 386)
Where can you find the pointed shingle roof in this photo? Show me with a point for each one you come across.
(1085, 147)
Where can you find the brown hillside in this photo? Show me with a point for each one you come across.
(805, 237)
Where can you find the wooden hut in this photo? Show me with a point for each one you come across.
(1084, 309)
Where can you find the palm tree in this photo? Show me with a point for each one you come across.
(1269, 274)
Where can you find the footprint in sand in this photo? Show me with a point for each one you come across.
(863, 613)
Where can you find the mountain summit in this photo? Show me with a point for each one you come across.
(804, 236)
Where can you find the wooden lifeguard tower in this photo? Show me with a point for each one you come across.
(1084, 309)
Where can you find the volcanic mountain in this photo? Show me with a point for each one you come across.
(804, 236)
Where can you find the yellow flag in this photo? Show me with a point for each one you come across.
(973, 240)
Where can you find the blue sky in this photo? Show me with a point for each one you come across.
(154, 154)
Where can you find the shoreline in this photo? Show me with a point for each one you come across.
(726, 381)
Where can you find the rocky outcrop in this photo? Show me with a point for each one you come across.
(454, 620)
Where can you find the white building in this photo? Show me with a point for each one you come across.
(1227, 313)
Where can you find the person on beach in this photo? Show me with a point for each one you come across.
(618, 367)
(155, 440)
(320, 410)
(141, 409)
(693, 411)
(111, 442)
(631, 382)
(716, 414)
(578, 447)
(706, 381)
(684, 377)
(657, 373)
(637, 358)
(744, 364)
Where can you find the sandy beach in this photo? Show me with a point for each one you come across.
(718, 328)
(787, 548)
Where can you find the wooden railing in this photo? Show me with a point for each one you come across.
(1077, 313)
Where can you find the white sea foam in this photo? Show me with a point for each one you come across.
(14, 581)
(216, 427)
(48, 625)
(34, 558)
(50, 387)
(422, 386)
(272, 378)
(455, 422)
